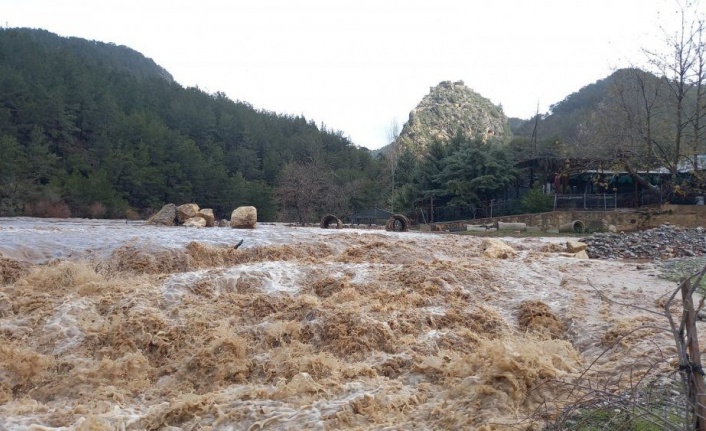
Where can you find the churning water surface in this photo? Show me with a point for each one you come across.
(119, 325)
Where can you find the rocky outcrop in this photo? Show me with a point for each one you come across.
(165, 217)
(451, 107)
(243, 218)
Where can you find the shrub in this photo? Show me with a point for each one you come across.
(97, 210)
(536, 201)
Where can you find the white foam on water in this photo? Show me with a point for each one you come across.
(41, 240)
(64, 327)
(267, 277)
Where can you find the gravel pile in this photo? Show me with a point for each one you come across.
(664, 242)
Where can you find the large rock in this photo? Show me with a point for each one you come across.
(207, 214)
(581, 255)
(186, 211)
(575, 246)
(496, 249)
(578, 255)
(165, 217)
(243, 218)
(197, 221)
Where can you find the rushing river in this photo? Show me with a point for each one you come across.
(115, 325)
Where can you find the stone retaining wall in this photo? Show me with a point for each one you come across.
(623, 220)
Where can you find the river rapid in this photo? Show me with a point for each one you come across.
(115, 325)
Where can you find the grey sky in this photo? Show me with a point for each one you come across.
(357, 65)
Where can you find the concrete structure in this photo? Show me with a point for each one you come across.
(623, 220)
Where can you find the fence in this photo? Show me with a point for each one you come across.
(603, 202)
(493, 208)
(562, 202)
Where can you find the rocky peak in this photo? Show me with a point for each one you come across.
(449, 108)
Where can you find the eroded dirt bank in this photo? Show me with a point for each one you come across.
(310, 329)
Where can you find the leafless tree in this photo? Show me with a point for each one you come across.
(700, 106)
(308, 190)
(655, 118)
(656, 397)
(681, 69)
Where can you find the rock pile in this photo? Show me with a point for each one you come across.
(183, 215)
(664, 242)
(190, 215)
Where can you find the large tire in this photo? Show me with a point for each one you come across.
(330, 219)
(397, 223)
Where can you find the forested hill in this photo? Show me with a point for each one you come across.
(574, 124)
(28, 43)
(566, 116)
(94, 129)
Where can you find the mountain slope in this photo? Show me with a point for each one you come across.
(93, 129)
(562, 131)
(119, 58)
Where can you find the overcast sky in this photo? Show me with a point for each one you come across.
(357, 66)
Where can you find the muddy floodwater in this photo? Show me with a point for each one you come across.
(108, 325)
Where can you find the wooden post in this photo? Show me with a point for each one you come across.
(697, 387)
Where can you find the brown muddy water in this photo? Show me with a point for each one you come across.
(113, 326)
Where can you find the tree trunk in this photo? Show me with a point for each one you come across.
(643, 182)
(697, 386)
